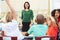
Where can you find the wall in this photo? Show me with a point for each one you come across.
(38, 7)
(0, 6)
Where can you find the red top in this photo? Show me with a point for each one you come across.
(52, 31)
(58, 19)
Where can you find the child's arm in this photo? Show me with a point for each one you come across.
(3, 34)
(11, 8)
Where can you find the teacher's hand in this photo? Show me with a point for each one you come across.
(31, 24)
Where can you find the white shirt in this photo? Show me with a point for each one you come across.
(11, 29)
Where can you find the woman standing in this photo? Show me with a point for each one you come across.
(27, 17)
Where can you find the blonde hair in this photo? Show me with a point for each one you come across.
(52, 21)
(49, 18)
(9, 17)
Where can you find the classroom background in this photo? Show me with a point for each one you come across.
(38, 6)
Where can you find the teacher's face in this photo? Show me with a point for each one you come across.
(26, 5)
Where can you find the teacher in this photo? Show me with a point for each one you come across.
(27, 17)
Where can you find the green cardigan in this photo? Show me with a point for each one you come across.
(27, 16)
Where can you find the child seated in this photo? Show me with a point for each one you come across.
(52, 28)
(40, 28)
(10, 27)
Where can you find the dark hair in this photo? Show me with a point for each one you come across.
(28, 4)
(53, 12)
(40, 19)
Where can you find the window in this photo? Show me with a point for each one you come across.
(54, 4)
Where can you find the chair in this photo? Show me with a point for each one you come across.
(28, 38)
(6, 37)
(13, 38)
(1, 38)
(45, 38)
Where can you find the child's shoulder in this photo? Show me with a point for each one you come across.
(42, 25)
(45, 25)
(39, 25)
(35, 25)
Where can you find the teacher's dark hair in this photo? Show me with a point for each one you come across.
(28, 4)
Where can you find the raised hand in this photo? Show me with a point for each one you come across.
(7, 1)
(11, 8)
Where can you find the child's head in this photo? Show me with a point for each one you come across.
(9, 17)
(40, 19)
(56, 13)
(49, 21)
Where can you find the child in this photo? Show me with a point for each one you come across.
(52, 28)
(10, 27)
(39, 29)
